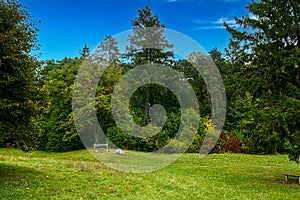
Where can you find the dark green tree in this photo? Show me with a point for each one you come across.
(220, 62)
(85, 51)
(266, 57)
(148, 45)
(18, 78)
(193, 77)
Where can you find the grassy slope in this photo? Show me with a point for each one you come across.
(77, 175)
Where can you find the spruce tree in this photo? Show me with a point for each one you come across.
(265, 56)
(148, 45)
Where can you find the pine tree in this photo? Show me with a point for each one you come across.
(85, 51)
(148, 45)
(107, 51)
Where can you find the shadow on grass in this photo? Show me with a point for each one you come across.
(11, 175)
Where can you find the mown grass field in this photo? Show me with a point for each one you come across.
(78, 175)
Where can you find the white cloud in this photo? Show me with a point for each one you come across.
(216, 24)
(226, 20)
(208, 27)
(251, 16)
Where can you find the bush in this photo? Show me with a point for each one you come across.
(227, 144)
(233, 145)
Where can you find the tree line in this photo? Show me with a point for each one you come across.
(260, 70)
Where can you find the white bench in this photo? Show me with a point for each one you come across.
(100, 146)
(292, 175)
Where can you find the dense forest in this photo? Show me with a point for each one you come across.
(259, 68)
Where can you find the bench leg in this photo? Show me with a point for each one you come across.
(286, 178)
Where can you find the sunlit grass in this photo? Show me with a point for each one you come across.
(78, 175)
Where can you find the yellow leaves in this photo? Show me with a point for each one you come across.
(71, 87)
(16, 104)
(208, 124)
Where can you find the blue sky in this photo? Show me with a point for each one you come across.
(67, 25)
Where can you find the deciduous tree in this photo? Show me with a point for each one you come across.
(18, 85)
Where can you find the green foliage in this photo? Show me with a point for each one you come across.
(103, 96)
(85, 51)
(18, 78)
(168, 134)
(148, 144)
(148, 31)
(107, 51)
(261, 76)
(265, 59)
(57, 122)
(193, 78)
(57, 79)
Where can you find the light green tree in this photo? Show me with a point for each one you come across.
(57, 121)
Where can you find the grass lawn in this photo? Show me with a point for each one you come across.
(78, 175)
